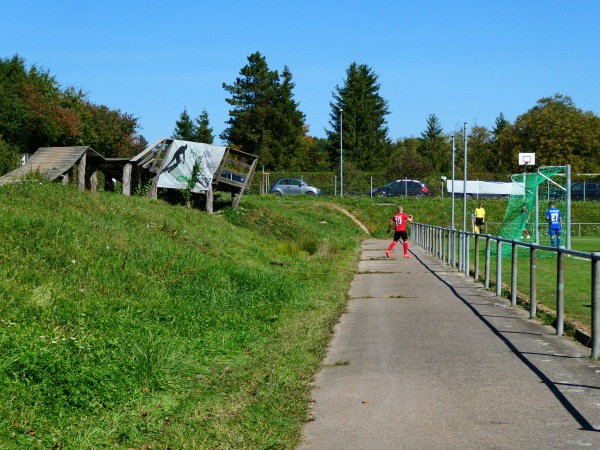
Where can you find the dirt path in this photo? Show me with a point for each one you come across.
(345, 211)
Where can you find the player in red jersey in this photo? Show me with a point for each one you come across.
(399, 223)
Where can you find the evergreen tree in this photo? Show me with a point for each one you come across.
(501, 158)
(185, 129)
(290, 143)
(264, 119)
(204, 133)
(363, 119)
(434, 146)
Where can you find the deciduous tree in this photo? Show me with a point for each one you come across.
(558, 133)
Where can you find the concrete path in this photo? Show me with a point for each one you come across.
(427, 359)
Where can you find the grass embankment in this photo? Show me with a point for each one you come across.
(131, 323)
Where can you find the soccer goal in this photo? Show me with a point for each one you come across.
(525, 216)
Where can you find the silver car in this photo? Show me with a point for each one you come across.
(293, 186)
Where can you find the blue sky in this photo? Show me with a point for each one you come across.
(464, 61)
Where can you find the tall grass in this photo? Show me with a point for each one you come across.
(127, 322)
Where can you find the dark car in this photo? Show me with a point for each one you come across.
(233, 176)
(580, 190)
(293, 186)
(399, 188)
(588, 190)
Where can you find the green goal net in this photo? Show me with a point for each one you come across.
(525, 216)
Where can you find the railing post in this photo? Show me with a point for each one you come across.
(595, 305)
(442, 244)
(499, 269)
(467, 242)
(532, 283)
(461, 251)
(560, 291)
(513, 274)
(476, 262)
(488, 257)
(451, 247)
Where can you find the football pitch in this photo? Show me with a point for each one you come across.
(585, 243)
(577, 278)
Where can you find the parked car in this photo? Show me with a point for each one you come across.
(293, 186)
(233, 176)
(580, 190)
(589, 190)
(398, 188)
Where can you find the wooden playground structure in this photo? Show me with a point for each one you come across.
(231, 173)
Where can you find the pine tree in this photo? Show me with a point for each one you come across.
(501, 153)
(185, 129)
(203, 132)
(290, 144)
(363, 119)
(265, 119)
(433, 145)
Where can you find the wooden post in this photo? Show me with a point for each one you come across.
(235, 199)
(81, 173)
(209, 199)
(127, 179)
(94, 182)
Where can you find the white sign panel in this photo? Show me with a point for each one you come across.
(180, 161)
(493, 188)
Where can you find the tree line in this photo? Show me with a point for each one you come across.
(35, 111)
(266, 120)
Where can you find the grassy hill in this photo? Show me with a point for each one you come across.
(127, 322)
(131, 323)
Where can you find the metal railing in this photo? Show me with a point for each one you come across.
(452, 247)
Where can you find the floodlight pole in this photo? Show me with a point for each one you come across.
(453, 182)
(341, 157)
(465, 181)
(568, 227)
(466, 243)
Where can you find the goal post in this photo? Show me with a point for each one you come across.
(525, 215)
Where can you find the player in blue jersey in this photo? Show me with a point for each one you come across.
(554, 218)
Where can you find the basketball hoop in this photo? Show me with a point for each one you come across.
(526, 159)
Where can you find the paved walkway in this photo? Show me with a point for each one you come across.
(427, 359)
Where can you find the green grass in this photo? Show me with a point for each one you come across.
(131, 323)
(127, 322)
(577, 279)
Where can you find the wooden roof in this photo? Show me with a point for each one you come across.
(50, 162)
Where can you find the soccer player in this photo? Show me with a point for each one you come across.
(554, 218)
(399, 223)
(525, 218)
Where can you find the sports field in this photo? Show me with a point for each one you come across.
(577, 278)
(585, 243)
